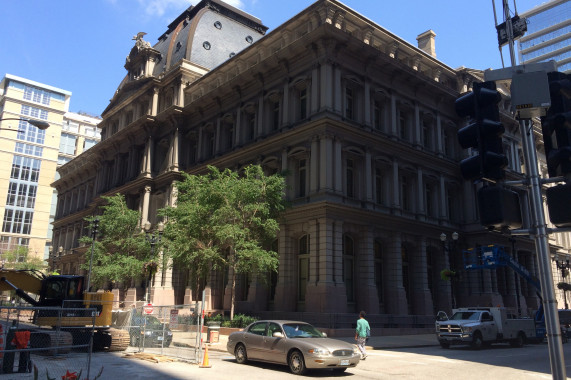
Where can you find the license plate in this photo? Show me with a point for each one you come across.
(160, 338)
(344, 362)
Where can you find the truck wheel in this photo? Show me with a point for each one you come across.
(444, 344)
(477, 341)
(519, 341)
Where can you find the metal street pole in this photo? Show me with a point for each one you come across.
(541, 243)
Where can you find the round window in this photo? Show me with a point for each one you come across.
(206, 45)
(218, 25)
(249, 39)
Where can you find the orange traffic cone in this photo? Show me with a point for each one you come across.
(205, 363)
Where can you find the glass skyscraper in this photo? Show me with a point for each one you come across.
(548, 35)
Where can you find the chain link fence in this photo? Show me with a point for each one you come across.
(172, 330)
(41, 340)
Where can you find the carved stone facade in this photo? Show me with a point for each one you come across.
(362, 121)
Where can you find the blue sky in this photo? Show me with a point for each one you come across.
(81, 45)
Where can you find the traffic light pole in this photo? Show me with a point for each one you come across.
(539, 230)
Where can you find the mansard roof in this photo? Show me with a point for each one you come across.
(205, 35)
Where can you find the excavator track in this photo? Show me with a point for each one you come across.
(55, 342)
(111, 339)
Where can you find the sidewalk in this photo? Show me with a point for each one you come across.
(375, 342)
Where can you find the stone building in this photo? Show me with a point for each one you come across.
(362, 121)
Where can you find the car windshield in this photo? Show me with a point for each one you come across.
(301, 330)
(466, 315)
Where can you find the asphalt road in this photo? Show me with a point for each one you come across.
(499, 362)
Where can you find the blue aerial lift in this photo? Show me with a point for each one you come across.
(495, 256)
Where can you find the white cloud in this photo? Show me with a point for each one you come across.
(235, 3)
(160, 7)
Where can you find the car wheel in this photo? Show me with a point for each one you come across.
(240, 353)
(477, 341)
(296, 363)
(518, 341)
(444, 344)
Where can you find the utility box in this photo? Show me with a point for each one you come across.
(530, 94)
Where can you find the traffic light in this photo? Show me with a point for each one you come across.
(556, 129)
(556, 125)
(484, 133)
(499, 208)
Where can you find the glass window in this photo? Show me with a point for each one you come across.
(258, 328)
(67, 144)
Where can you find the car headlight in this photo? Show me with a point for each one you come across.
(319, 351)
(467, 329)
(356, 350)
(148, 332)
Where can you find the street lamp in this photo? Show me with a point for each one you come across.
(448, 246)
(94, 226)
(153, 241)
(40, 124)
(564, 267)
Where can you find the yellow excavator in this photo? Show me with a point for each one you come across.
(63, 303)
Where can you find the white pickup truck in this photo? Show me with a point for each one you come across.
(483, 326)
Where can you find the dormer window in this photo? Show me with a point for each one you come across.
(206, 45)
(249, 39)
(218, 25)
(178, 46)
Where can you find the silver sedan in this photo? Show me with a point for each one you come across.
(296, 344)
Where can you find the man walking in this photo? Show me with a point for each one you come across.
(362, 332)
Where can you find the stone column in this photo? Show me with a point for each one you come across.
(417, 130)
(420, 189)
(326, 160)
(155, 102)
(326, 86)
(173, 151)
(314, 166)
(338, 160)
(443, 208)
(396, 191)
(369, 175)
(145, 205)
(394, 132)
(396, 302)
(421, 298)
(327, 296)
(367, 298)
(286, 111)
(315, 85)
(286, 297)
(440, 148)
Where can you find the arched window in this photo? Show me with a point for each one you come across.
(405, 270)
(349, 267)
(303, 263)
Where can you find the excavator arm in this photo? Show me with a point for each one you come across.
(27, 280)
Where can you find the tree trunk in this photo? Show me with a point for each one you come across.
(233, 294)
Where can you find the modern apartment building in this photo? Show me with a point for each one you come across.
(548, 35)
(364, 123)
(30, 158)
(27, 201)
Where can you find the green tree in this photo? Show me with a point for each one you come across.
(19, 258)
(225, 219)
(121, 251)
